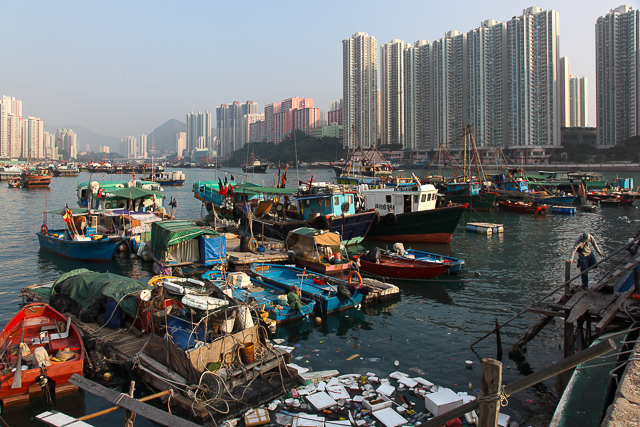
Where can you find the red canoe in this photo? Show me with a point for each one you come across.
(38, 326)
(524, 207)
(402, 268)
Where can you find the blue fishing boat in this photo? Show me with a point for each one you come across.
(455, 264)
(88, 248)
(76, 240)
(328, 292)
(273, 298)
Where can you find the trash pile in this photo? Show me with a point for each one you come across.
(328, 399)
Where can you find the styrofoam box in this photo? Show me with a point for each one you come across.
(503, 420)
(442, 401)
(382, 402)
(240, 279)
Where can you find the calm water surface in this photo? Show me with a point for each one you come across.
(428, 331)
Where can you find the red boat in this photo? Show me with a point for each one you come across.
(616, 198)
(402, 268)
(38, 326)
(36, 179)
(524, 207)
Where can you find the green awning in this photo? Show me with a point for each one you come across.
(74, 211)
(167, 233)
(133, 193)
(272, 190)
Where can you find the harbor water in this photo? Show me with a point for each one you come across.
(427, 332)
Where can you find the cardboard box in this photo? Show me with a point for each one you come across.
(257, 417)
(239, 279)
(442, 401)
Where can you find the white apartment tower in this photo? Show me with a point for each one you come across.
(578, 101)
(360, 90)
(198, 126)
(618, 75)
(414, 106)
(450, 90)
(33, 138)
(142, 146)
(533, 57)
(487, 55)
(392, 88)
(10, 127)
(181, 143)
(564, 95)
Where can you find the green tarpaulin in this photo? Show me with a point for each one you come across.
(167, 233)
(84, 286)
(272, 190)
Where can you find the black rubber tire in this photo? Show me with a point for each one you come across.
(390, 218)
(376, 219)
(321, 223)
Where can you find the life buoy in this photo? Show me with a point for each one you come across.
(107, 205)
(253, 245)
(44, 229)
(390, 218)
(352, 274)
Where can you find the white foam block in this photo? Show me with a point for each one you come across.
(386, 389)
(389, 417)
(409, 382)
(321, 400)
(423, 382)
(442, 401)
(397, 375)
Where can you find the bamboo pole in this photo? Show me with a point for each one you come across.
(523, 383)
(115, 408)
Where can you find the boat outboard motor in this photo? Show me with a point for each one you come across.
(373, 255)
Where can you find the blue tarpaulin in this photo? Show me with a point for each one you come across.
(213, 249)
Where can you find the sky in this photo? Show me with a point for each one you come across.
(126, 67)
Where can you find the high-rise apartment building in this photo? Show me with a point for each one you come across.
(33, 138)
(232, 127)
(578, 101)
(67, 143)
(198, 131)
(564, 93)
(533, 48)
(10, 127)
(50, 146)
(618, 75)
(487, 55)
(450, 89)
(360, 90)
(181, 143)
(334, 115)
(143, 148)
(392, 90)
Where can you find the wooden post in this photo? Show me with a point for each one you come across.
(569, 348)
(490, 385)
(129, 416)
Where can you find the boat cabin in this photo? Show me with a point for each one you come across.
(470, 188)
(314, 205)
(88, 190)
(401, 199)
(623, 184)
(519, 185)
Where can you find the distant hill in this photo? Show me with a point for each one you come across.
(87, 136)
(165, 135)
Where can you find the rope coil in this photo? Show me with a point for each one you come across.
(501, 396)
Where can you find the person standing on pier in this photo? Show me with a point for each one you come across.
(586, 258)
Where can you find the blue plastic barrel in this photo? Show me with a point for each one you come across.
(114, 315)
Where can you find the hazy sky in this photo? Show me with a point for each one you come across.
(125, 67)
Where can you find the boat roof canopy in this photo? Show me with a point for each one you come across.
(271, 190)
(74, 211)
(133, 193)
(168, 233)
(308, 237)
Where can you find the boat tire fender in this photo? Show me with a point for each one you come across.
(253, 245)
(321, 223)
(44, 229)
(345, 207)
(353, 274)
(391, 218)
(376, 219)
(209, 206)
(279, 207)
(292, 257)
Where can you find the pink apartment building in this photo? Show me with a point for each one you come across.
(293, 113)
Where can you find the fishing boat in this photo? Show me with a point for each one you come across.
(67, 169)
(245, 289)
(321, 205)
(255, 166)
(38, 341)
(455, 264)
(523, 207)
(329, 293)
(134, 195)
(408, 213)
(317, 251)
(167, 178)
(10, 172)
(15, 183)
(398, 267)
(73, 242)
(37, 178)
